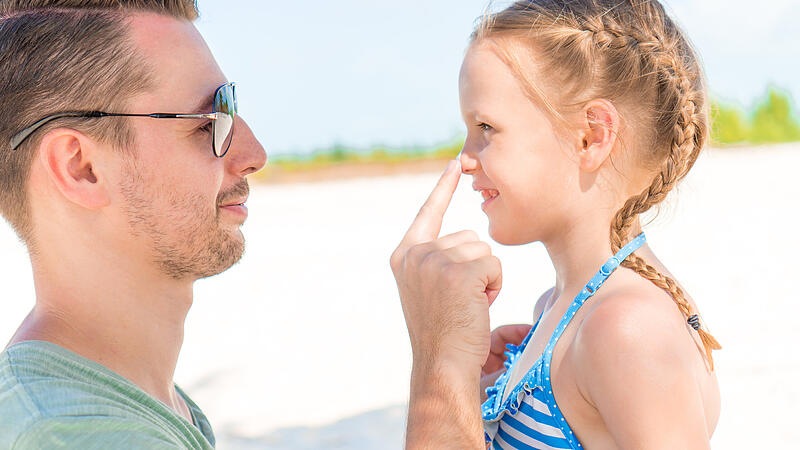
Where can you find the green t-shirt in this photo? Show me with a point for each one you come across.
(51, 397)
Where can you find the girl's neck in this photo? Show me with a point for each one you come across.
(578, 252)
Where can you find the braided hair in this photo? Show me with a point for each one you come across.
(620, 50)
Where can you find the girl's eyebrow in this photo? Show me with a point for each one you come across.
(481, 116)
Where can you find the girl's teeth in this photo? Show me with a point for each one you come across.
(487, 194)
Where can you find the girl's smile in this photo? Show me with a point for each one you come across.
(488, 195)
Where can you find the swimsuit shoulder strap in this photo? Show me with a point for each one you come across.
(589, 289)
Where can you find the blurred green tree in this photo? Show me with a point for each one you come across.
(773, 119)
(729, 124)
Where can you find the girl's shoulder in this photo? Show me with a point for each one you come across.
(635, 318)
(633, 349)
(635, 326)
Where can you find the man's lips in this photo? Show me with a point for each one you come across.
(237, 202)
(236, 207)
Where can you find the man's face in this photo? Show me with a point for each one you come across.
(180, 201)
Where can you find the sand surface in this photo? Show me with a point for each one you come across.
(303, 345)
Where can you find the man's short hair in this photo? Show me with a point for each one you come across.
(66, 55)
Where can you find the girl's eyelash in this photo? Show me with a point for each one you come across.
(484, 126)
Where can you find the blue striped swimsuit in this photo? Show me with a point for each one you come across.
(529, 418)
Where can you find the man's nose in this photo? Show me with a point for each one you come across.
(246, 154)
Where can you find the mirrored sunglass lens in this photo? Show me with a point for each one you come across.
(225, 103)
(225, 100)
(223, 134)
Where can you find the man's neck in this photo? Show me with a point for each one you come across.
(129, 321)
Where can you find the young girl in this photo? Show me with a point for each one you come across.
(582, 115)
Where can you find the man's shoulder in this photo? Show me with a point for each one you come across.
(48, 396)
(43, 403)
(43, 379)
(77, 432)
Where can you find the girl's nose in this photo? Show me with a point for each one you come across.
(469, 163)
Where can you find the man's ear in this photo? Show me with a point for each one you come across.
(67, 157)
(598, 133)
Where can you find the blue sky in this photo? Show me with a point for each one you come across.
(361, 73)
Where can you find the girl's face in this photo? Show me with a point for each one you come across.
(527, 172)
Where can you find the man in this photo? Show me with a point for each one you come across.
(121, 214)
(121, 172)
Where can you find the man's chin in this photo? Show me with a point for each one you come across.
(227, 258)
(220, 254)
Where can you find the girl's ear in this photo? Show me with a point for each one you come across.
(67, 157)
(598, 133)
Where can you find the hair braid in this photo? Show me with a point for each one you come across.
(669, 285)
(688, 138)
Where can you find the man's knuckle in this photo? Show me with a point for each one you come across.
(496, 261)
(396, 260)
(437, 261)
(416, 253)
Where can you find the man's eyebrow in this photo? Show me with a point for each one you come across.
(204, 105)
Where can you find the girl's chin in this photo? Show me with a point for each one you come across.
(507, 236)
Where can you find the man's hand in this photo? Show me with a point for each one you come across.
(446, 284)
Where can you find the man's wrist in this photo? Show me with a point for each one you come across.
(455, 371)
(444, 409)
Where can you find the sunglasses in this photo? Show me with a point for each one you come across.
(222, 118)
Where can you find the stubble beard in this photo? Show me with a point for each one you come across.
(187, 239)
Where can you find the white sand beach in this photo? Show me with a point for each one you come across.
(302, 345)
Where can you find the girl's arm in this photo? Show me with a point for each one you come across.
(637, 367)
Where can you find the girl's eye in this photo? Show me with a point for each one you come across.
(206, 128)
(484, 126)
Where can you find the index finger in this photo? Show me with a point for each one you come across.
(428, 223)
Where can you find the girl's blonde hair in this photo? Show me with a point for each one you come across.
(631, 53)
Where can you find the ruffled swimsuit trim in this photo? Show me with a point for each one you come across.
(538, 377)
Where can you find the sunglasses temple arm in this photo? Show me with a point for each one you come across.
(20, 137)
